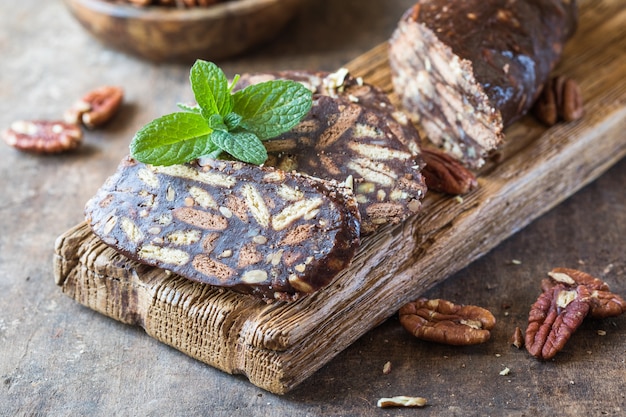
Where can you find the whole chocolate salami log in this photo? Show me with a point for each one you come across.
(467, 69)
(262, 231)
(353, 134)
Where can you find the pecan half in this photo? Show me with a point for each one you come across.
(445, 322)
(43, 136)
(560, 99)
(567, 298)
(96, 107)
(553, 319)
(602, 301)
(445, 174)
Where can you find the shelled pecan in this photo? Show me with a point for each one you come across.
(445, 322)
(445, 174)
(602, 301)
(568, 297)
(43, 136)
(560, 99)
(96, 107)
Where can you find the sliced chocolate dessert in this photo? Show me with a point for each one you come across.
(353, 134)
(270, 233)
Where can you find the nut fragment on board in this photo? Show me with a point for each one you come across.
(402, 401)
(560, 99)
(568, 297)
(444, 322)
(96, 107)
(43, 136)
(517, 339)
(387, 368)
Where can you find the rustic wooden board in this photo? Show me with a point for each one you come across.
(278, 346)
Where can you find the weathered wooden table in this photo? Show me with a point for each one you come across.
(59, 358)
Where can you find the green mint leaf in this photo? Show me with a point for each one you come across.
(244, 146)
(232, 121)
(232, 85)
(189, 108)
(216, 122)
(210, 88)
(172, 139)
(222, 121)
(214, 154)
(271, 108)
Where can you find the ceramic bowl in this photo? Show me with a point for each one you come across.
(160, 33)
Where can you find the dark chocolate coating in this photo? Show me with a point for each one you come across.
(524, 36)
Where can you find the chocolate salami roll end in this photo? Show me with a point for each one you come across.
(467, 69)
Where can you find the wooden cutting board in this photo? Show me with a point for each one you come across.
(278, 346)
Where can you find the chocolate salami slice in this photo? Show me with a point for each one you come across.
(467, 69)
(261, 231)
(353, 134)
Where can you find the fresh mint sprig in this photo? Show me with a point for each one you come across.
(223, 121)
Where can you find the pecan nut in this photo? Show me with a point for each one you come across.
(445, 174)
(560, 99)
(603, 302)
(445, 322)
(96, 107)
(571, 103)
(553, 319)
(43, 136)
(568, 297)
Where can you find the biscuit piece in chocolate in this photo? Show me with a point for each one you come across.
(353, 134)
(262, 231)
(467, 69)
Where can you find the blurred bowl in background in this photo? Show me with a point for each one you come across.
(158, 33)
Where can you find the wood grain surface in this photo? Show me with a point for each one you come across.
(59, 358)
